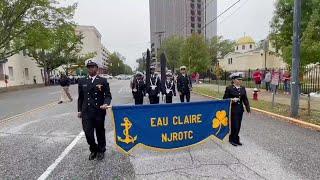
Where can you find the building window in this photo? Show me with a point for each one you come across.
(192, 6)
(199, 6)
(199, 31)
(199, 19)
(192, 19)
(230, 61)
(199, 25)
(11, 77)
(250, 46)
(192, 12)
(192, 31)
(243, 47)
(26, 73)
(237, 47)
(192, 25)
(199, 13)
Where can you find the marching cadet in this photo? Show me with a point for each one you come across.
(184, 84)
(94, 99)
(154, 88)
(238, 96)
(169, 89)
(138, 87)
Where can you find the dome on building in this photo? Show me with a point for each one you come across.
(245, 40)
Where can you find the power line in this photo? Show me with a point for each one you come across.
(234, 12)
(221, 14)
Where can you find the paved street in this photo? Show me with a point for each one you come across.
(34, 141)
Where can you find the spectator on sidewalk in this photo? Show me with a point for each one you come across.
(257, 76)
(197, 78)
(65, 94)
(34, 80)
(286, 82)
(267, 80)
(275, 80)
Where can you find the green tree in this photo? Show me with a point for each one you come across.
(19, 17)
(53, 47)
(219, 47)
(172, 48)
(282, 30)
(117, 66)
(127, 69)
(141, 65)
(195, 54)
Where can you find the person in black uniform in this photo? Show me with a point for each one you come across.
(94, 99)
(154, 88)
(169, 88)
(238, 96)
(138, 87)
(184, 84)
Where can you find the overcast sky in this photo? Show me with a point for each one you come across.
(124, 24)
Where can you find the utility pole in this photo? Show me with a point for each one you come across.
(265, 48)
(295, 85)
(159, 33)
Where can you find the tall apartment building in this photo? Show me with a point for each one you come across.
(92, 43)
(181, 17)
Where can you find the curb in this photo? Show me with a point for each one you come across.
(284, 118)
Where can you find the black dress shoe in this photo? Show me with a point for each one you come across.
(92, 156)
(100, 156)
(233, 144)
(239, 143)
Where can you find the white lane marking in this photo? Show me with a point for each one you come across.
(49, 170)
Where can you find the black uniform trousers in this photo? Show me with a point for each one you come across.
(138, 99)
(91, 121)
(154, 99)
(168, 99)
(236, 119)
(185, 95)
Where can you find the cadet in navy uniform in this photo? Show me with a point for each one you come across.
(154, 88)
(184, 85)
(169, 88)
(138, 87)
(94, 99)
(238, 96)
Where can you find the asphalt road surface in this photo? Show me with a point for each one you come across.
(48, 142)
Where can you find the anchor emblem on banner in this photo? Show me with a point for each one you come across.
(128, 138)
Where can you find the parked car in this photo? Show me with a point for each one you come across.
(107, 76)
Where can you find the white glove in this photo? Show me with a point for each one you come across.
(235, 99)
(164, 95)
(147, 95)
(158, 95)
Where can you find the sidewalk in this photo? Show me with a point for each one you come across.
(267, 96)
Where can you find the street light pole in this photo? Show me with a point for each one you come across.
(295, 88)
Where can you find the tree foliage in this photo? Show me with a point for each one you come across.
(18, 18)
(172, 48)
(195, 54)
(219, 47)
(117, 65)
(282, 30)
(141, 65)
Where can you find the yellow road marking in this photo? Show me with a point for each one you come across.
(2, 121)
